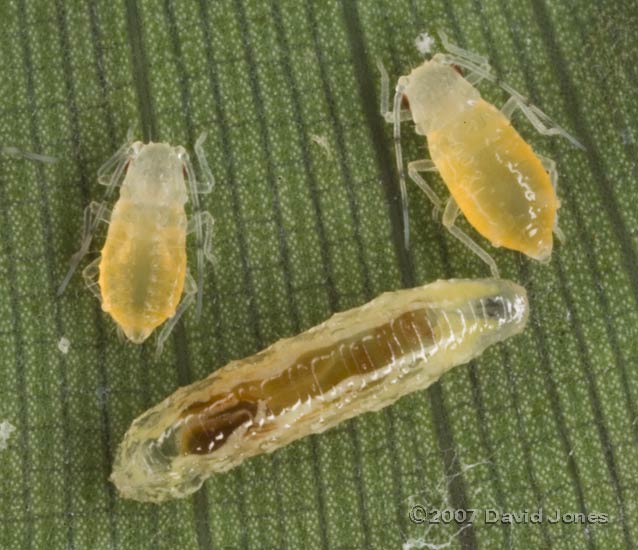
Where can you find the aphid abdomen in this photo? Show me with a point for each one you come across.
(143, 266)
(496, 179)
(357, 361)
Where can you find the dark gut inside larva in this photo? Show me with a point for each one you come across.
(218, 427)
(208, 424)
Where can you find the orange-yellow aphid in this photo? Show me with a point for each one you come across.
(505, 190)
(141, 274)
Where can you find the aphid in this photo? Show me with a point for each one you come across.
(505, 190)
(141, 274)
(357, 361)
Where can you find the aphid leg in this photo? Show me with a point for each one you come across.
(190, 289)
(550, 166)
(200, 220)
(202, 223)
(474, 78)
(207, 185)
(516, 102)
(208, 223)
(90, 275)
(385, 97)
(450, 214)
(483, 71)
(94, 213)
(479, 67)
(510, 106)
(543, 123)
(425, 166)
(560, 234)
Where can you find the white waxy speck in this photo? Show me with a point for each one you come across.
(64, 344)
(627, 137)
(6, 429)
(322, 141)
(424, 43)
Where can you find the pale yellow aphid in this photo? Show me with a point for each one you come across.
(141, 273)
(505, 190)
(357, 361)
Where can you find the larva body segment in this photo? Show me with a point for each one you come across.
(357, 361)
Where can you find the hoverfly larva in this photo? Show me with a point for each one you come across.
(141, 273)
(505, 190)
(357, 361)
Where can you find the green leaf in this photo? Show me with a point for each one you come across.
(308, 222)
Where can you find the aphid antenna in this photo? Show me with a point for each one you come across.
(396, 111)
(130, 133)
(20, 153)
(475, 58)
(109, 174)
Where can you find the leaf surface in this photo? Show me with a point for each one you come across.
(308, 222)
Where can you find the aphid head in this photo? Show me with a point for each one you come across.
(155, 174)
(437, 94)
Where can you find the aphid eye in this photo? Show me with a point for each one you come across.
(181, 153)
(135, 149)
(405, 102)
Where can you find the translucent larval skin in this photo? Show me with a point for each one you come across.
(495, 177)
(357, 361)
(143, 263)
